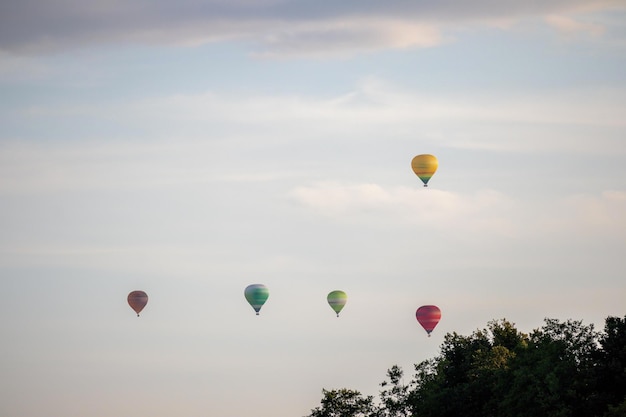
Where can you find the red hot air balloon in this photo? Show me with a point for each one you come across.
(428, 317)
(137, 300)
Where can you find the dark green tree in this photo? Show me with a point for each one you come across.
(344, 403)
(611, 365)
(552, 376)
(563, 369)
(395, 394)
(465, 378)
(617, 410)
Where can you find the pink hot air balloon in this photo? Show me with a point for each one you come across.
(428, 317)
(137, 300)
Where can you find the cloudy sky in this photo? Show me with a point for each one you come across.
(192, 148)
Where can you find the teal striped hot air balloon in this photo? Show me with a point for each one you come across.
(257, 295)
(337, 300)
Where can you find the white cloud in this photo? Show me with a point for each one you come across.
(592, 214)
(18, 68)
(42, 169)
(341, 37)
(376, 102)
(401, 206)
(281, 28)
(569, 26)
(484, 212)
(515, 121)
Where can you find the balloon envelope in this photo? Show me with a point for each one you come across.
(257, 295)
(428, 317)
(424, 167)
(337, 300)
(137, 300)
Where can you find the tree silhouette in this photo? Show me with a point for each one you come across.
(563, 369)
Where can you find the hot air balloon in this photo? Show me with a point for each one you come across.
(337, 299)
(428, 317)
(137, 300)
(257, 295)
(424, 167)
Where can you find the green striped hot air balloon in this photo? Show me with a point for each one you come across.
(337, 300)
(257, 295)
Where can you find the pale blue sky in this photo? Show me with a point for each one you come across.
(190, 150)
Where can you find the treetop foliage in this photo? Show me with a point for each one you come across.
(563, 369)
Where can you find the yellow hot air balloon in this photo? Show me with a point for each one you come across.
(424, 167)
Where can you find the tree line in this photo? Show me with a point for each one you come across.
(563, 369)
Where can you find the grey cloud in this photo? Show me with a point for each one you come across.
(34, 26)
